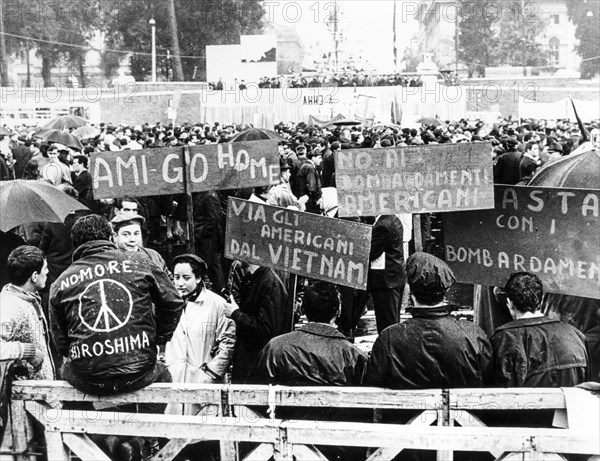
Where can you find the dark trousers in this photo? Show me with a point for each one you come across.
(386, 303)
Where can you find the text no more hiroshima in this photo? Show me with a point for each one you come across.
(287, 246)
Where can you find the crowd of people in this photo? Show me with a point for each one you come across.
(90, 301)
(341, 79)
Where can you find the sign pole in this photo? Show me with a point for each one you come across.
(187, 184)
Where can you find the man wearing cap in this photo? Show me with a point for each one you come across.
(127, 228)
(431, 350)
(506, 168)
(281, 194)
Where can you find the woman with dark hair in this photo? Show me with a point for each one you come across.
(202, 345)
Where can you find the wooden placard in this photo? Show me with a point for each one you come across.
(416, 179)
(301, 243)
(140, 173)
(554, 233)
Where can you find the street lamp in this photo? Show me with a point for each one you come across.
(152, 22)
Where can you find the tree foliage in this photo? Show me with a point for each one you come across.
(585, 14)
(199, 23)
(57, 30)
(501, 33)
(476, 38)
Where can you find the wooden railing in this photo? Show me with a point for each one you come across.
(456, 426)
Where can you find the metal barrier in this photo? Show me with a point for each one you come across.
(456, 426)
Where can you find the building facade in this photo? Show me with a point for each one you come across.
(438, 32)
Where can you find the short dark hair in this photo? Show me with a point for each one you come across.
(525, 290)
(90, 227)
(199, 267)
(321, 302)
(82, 159)
(22, 262)
(530, 145)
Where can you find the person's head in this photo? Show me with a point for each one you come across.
(285, 172)
(321, 302)
(80, 163)
(126, 205)
(27, 268)
(262, 191)
(90, 227)
(533, 150)
(301, 150)
(127, 229)
(188, 272)
(528, 167)
(524, 292)
(32, 170)
(429, 278)
(316, 157)
(53, 153)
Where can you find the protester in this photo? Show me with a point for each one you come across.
(103, 319)
(386, 272)
(201, 348)
(263, 314)
(281, 194)
(82, 180)
(432, 349)
(24, 332)
(533, 350)
(127, 228)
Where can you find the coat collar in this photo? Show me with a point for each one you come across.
(321, 329)
(526, 322)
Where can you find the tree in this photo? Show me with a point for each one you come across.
(198, 24)
(56, 30)
(585, 15)
(519, 27)
(476, 37)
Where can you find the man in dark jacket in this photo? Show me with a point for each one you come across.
(431, 350)
(507, 167)
(102, 314)
(82, 180)
(263, 314)
(533, 350)
(317, 354)
(386, 274)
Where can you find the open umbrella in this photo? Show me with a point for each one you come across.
(346, 122)
(429, 121)
(577, 171)
(23, 202)
(4, 131)
(65, 121)
(86, 132)
(61, 137)
(255, 134)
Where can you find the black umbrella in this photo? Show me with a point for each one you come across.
(61, 137)
(429, 121)
(23, 202)
(65, 121)
(255, 134)
(577, 171)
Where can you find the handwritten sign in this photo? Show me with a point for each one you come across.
(145, 172)
(301, 243)
(419, 179)
(554, 233)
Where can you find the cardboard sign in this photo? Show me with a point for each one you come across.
(554, 233)
(419, 179)
(301, 243)
(139, 173)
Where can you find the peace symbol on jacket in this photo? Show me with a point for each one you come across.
(105, 305)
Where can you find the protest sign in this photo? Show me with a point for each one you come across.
(554, 233)
(301, 243)
(140, 173)
(419, 179)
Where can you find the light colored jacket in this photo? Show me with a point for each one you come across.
(22, 323)
(203, 336)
